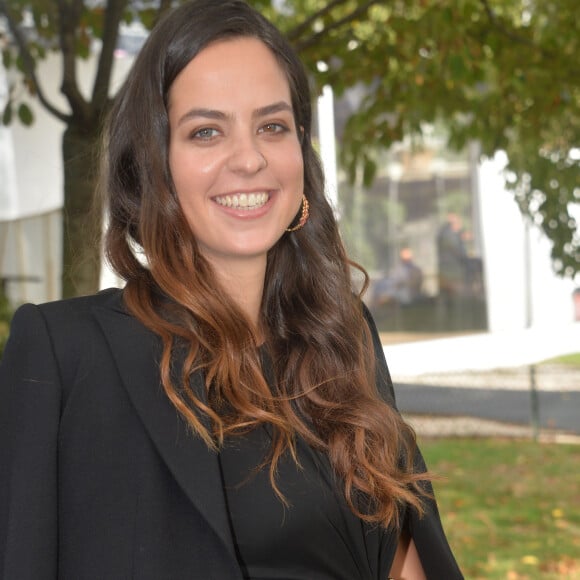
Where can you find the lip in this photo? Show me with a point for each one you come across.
(246, 213)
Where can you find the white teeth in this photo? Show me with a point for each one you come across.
(243, 200)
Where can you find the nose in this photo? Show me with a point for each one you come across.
(246, 156)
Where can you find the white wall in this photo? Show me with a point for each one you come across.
(30, 200)
(33, 153)
(31, 187)
(547, 298)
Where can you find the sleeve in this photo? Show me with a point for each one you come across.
(436, 556)
(29, 418)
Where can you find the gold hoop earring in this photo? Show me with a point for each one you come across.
(304, 214)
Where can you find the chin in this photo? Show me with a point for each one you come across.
(259, 246)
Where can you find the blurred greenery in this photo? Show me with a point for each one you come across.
(509, 507)
(504, 73)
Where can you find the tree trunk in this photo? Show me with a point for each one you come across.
(82, 213)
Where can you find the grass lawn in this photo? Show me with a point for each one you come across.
(511, 509)
(566, 359)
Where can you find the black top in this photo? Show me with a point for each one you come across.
(101, 476)
(317, 537)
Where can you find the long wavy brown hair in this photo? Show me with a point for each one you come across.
(324, 383)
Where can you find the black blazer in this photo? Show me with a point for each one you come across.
(99, 476)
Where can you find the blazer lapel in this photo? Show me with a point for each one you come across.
(136, 351)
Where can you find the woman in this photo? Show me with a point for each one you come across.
(229, 413)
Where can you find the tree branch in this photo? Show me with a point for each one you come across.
(318, 36)
(29, 64)
(499, 26)
(69, 16)
(112, 19)
(549, 55)
(301, 28)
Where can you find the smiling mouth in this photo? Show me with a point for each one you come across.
(245, 201)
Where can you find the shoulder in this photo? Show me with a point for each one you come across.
(69, 313)
(80, 335)
(70, 325)
(111, 298)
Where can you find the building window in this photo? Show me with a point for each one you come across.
(416, 231)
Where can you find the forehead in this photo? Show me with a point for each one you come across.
(236, 68)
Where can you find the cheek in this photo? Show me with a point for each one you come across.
(192, 173)
(186, 185)
(295, 170)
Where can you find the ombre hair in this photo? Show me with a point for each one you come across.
(323, 383)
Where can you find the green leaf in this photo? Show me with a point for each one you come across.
(148, 17)
(369, 172)
(457, 66)
(25, 114)
(7, 114)
(7, 59)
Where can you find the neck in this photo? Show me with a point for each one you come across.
(244, 282)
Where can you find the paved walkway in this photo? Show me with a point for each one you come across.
(483, 351)
(479, 385)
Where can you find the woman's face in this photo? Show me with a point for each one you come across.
(234, 150)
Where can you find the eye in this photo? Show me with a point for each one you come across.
(273, 128)
(204, 134)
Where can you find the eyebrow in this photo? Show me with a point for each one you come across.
(278, 107)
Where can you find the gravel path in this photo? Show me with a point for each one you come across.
(547, 378)
(430, 427)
